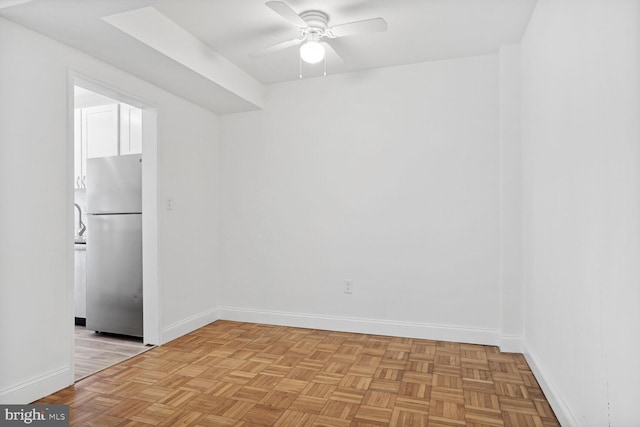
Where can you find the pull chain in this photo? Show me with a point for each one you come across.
(324, 65)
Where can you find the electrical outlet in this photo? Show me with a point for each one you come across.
(348, 286)
(169, 203)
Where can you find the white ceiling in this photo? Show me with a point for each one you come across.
(418, 30)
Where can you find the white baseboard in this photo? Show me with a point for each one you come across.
(551, 392)
(511, 344)
(37, 387)
(365, 326)
(189, 324)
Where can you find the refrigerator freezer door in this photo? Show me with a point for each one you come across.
(114, 274)
(114, 184)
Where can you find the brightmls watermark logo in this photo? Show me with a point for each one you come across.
(34, 415)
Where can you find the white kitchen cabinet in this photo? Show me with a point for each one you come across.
(100, 130)
(130, 129)
(95, 135)
(79, 160)
(104, 130)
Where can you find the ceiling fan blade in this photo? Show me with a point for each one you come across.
(330, 47)
(359, 27)
(277, 47)
(9, 3)
(283, 9)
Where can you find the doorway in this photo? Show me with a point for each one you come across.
(108, 125)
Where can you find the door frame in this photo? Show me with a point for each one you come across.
(150, 263)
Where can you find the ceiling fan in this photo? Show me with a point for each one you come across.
(315, 33)
(9, 3)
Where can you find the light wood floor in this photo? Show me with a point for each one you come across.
(94, 352)
(242, 374)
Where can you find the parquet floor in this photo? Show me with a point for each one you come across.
(243, 374)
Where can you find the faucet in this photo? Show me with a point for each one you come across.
(81, 225)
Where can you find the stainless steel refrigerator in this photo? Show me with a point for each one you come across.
(114, 244)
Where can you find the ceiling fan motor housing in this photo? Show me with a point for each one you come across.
(317, 22)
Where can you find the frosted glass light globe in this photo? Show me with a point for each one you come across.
(312, 52)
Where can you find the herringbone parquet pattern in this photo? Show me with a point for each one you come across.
(242, 374)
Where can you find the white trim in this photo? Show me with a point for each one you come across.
(151, 310)
(150, 264)
(70, 279)
(511, 344)
(37, 387)
(554, 397)
(190, 324)
(361, 325)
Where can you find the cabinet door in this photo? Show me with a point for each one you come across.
(130, 129)
(100, 130)
(78, 171)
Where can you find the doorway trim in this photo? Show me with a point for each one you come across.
(150, 262)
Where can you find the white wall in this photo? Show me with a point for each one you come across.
(189, 239)
(581, 129)
(511, 284)
(36, 209)
(388, 178)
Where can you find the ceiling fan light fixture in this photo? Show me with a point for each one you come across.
(312, 52)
